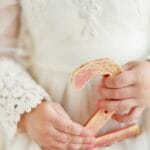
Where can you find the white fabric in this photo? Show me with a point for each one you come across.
(87, 29)
(60, 35)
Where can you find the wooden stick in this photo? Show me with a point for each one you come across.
(116, 136)
(98, 120)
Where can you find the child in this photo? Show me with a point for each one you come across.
(58, 36)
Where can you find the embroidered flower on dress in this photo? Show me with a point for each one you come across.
(90, 11)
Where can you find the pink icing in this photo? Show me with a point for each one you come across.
(82, 77)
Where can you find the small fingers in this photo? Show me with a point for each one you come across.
(130, 65)
(55, 139)
(69, 146)
(132, 116)
(79, 146)
(122, 93)
(117, 106)
(121, 80)
(60, 110)
(71, 127)
(65, 138)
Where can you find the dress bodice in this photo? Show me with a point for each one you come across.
(66, 33)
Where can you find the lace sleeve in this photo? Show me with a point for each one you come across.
(19, 93)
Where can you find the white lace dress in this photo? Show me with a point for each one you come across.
(54, 38)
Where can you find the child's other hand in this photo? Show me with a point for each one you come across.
(128, 91)
(50, 126)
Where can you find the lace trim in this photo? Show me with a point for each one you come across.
(18, 94)
(90, 11)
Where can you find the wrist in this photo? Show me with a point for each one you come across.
(22, 123)
(25, 118)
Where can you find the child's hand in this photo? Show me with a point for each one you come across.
(128, 91)
(50, 126)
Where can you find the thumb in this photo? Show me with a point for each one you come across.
(60, 110)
